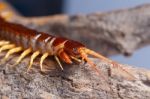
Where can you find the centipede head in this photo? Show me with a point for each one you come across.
(77, 51)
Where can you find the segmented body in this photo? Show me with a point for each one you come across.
(16, 38)
(26, 38)
(36, 41)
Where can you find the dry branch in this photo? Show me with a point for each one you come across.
(113, 31)
(75, 82)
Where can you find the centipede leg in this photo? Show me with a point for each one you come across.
(34, 55)
(6, 15)
(44, 56)
(76, 59)
(98, 71)
(64, 57)
(11, 51)
(58, 61)
(6, 47)
(4, 43)
(25, 53)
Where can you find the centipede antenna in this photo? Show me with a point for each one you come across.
(6, 47)
(58, 61)
(24, 53)
(44, 56)
(34, 55)
(4, 43)
(11, 51)
(88, 51)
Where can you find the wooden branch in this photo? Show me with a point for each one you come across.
(76, 81)
(112, 31)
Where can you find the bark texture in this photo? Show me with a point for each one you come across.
(75, 82)
(110, 33)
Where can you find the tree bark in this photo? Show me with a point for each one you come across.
(112, 31)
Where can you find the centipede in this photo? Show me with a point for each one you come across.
(17, 38)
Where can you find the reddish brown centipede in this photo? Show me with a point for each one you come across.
(18, 38)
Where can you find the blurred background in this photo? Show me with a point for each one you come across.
(49, 7)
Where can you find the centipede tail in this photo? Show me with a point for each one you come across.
(17, 38)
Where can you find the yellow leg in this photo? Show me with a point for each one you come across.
(45, 55)
(11, 51)
(4, 43)
(34, 55)
(6, 47)
(6, 15)
(58, 61)
(76, 59)
(25, 53)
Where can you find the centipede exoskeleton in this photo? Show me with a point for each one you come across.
(17, 38)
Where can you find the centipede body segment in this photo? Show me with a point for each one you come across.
(17, 38)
